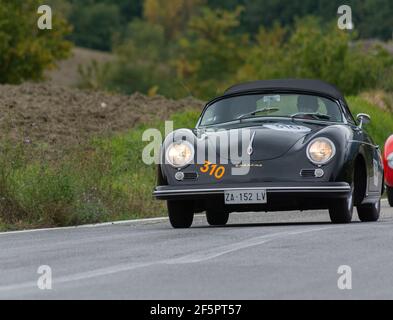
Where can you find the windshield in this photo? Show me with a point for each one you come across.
(259, 106)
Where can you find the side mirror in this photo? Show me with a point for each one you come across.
(363, 119)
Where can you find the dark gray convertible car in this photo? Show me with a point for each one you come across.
(272, 146)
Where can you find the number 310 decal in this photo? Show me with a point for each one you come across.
(213, 170)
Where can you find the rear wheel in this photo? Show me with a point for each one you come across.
(342, 210)
(217, 217)
(369, 212)
(181, 214)
(389, 191)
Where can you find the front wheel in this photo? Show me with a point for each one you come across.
(342, 210)
(389, 191)
(181, 214)
(369, 212)
(217, 218)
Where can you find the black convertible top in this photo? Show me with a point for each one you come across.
(304, 85)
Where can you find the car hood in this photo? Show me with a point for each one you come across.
(268, 141)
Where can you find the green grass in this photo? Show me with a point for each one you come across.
(103, 181)
(381, 126)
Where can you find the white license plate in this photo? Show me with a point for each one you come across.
(245, 197)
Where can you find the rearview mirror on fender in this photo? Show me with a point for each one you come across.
(363, 119)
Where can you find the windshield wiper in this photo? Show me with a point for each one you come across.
(315, 115)
(254, 113)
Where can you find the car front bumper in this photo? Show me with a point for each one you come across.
(281, 189)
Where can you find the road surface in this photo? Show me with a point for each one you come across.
(290, 255)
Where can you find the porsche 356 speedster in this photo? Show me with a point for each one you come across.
(275, 145)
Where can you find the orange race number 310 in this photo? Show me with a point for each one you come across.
(213, 170)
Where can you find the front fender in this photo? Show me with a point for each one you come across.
(165, 169)
(340, 168)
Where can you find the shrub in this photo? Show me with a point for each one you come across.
(105, 180)
(316, 51)
(26, 51)
(143, 64)
(381, 126)
(213, 54)
(95, 25)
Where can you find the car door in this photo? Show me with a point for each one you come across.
(371, 153)
(373, 159)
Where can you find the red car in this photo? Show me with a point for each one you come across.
(388, 164)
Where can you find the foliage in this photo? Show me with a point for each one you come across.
(171, 15)
(372, 18)
(95, 76)
(26, 51)
(143, 64)
(103, 181)
(213, 54)
(96, 25)
(381, 124)
(314, 50)
(210, 54)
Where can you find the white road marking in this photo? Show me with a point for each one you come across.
(252, 242)
(187, 259)
(106, 224)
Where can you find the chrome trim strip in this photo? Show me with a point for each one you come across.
(268, 189)
(362, 142)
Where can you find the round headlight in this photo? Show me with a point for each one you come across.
(180, 154)
(321, 151)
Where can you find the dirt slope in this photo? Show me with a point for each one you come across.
(66, 73)
(54, 115)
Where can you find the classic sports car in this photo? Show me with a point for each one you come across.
(388, 165)
(300, 149)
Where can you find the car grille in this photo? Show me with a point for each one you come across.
(308, 173)
(190, 175)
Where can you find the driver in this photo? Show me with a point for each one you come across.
(307, 104)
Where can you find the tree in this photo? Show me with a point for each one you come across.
(265, 57)
(316, 50)
(26, 51)
(129, 9)
(142, 64)
(172, 15)
(375, 18)
(98, 24)
(372, 18)
(210, 53)
(95, 25)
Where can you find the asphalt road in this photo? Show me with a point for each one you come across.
(257, 256)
